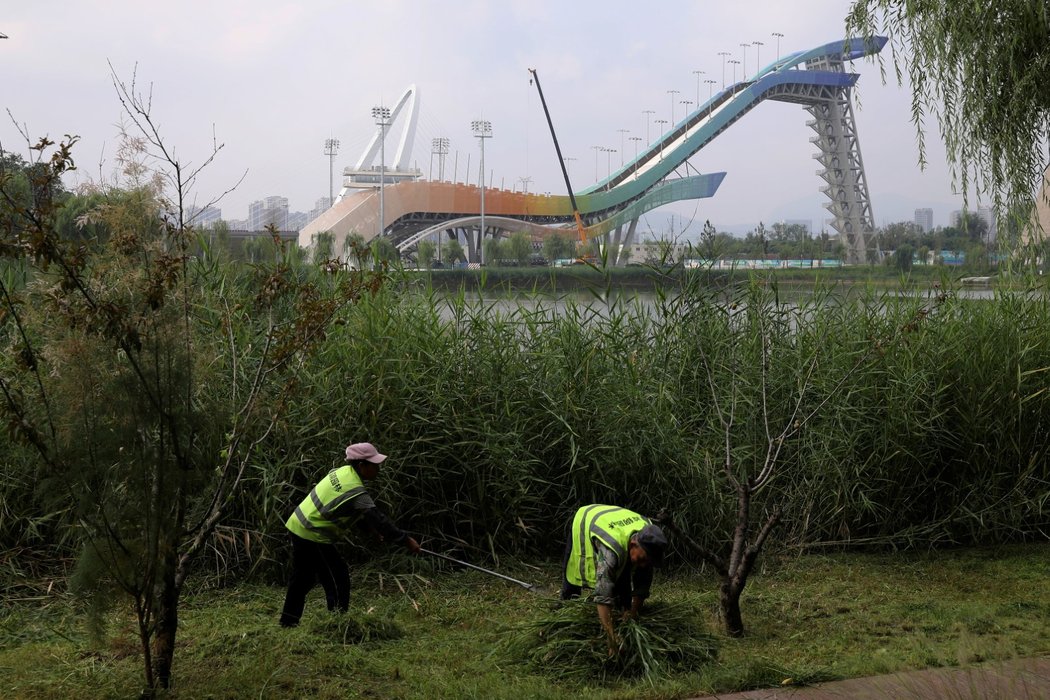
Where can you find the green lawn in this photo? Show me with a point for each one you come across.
(809, 618)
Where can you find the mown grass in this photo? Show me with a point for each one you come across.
(438, 634)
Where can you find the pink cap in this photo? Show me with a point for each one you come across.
(365, 451)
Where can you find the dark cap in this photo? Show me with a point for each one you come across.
(654, 542)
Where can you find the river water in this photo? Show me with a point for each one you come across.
(589, 304)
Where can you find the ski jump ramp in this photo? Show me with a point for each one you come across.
(816, 79)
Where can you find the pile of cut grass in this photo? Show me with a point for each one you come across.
(354, 628)
(568, 642)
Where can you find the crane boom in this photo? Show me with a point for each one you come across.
(561, 161)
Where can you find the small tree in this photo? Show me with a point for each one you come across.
(709, 242)
(493, 248)
(977, 258)
(519, 247)
(324, 247)
(557, 246)
(384, 251)
(902, 257)
(355, 250)
(425, 252)
(454, 251)
(144, 378)
(764, 387)
(259, 249)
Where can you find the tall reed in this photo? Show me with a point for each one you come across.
(929, 414)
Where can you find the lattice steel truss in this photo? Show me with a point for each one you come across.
(839, 153)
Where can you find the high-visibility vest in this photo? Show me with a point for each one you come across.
(612, 526)
(314, 519)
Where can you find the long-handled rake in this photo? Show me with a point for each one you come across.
(527, 586)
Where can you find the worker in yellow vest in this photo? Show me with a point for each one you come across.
(337, 501)
(612, 550)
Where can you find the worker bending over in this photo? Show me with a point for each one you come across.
(612, 550)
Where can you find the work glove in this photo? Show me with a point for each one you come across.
(412, 545)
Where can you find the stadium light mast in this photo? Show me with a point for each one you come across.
(778, 36)
(439, 146)
(672, 93)
(723, 54)
(661, 121)
(622, 132)
(648, 113)
(331, 149)
(698, 73)
(382, 118)
(637, 140)
(482, 130)
(758, 54)
(710, 87)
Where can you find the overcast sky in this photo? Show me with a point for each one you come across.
(274, 79)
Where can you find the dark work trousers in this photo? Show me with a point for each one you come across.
(313, 562)
(621, 589)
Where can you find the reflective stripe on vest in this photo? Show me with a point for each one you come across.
(612, 526)
(314, 518)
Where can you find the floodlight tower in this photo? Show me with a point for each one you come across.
(723, 54)
(661, 121)
(439, 146)
(648, 113)
(482, 130)
(758, 54)
(622, 132)
(698, 73)
(331, 149)
(672, 93)
(637, 140)
(382, 118)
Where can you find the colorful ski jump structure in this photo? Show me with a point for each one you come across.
(816, 79)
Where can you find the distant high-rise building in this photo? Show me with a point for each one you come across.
(274, 211)
(296, 220)
(988, 216)
(266, 212)
(203, 217)
(320, 207)
(924, 220)
(956, 218)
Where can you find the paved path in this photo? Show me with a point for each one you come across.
(1023, 679)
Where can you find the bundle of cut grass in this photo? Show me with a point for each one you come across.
(568, 642)
(351, 628)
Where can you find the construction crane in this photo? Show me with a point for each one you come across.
(561, 161)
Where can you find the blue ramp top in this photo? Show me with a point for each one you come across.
(803, 76)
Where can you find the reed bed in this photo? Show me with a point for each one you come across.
(930, 417)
